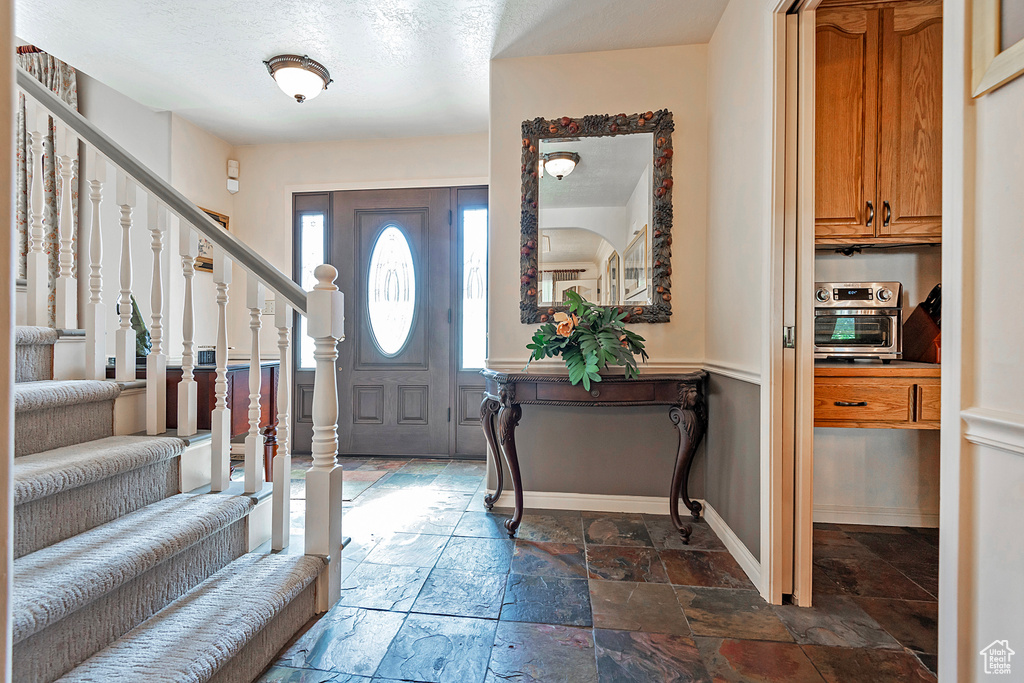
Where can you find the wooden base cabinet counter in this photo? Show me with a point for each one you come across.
(901, 395)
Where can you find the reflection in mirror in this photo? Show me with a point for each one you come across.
(598, 210)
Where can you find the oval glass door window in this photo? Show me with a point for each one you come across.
(391, 291)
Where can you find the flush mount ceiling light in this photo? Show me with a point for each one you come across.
(560, 164)
(298, 76)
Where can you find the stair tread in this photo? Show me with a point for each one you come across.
(54, 393)
(49, 472)
(51, 583)
(30, 335)
(191, 638)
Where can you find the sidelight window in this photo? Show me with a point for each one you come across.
(474, 288)
(312, 252)
(391, 291)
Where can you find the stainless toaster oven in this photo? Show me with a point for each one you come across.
(858, 320)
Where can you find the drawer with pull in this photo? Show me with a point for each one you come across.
(890, 401)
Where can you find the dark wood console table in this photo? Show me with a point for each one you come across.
(506, 393)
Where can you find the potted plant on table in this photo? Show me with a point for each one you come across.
(589, 338)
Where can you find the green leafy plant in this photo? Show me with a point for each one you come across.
(589, 338)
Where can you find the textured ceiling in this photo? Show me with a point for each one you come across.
(570, 245)
(606, 175)
(400, 67)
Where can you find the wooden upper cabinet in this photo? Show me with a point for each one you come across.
(846, 106)
(910, 153)
(878, 125)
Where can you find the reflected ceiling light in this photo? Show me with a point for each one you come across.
(299, 76)
(560, 164)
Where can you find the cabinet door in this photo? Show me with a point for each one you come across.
(846, 121)
(910, 156)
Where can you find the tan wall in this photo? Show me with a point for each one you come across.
(602, 83)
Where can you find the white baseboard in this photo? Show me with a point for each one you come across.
(69, 358)
(881, 516)
(130, 411)
(588, 502)
(737, 549)
(195, 465)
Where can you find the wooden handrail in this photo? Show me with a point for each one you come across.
(238, 251)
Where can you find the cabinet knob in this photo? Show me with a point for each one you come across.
(595, 392)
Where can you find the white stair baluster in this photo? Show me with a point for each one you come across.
(220, 421)
(124, 341)
(95, 310)
(67, 285)
(37, 121)
(254, 299)
(188, 402)
(156, 361)
(326, 310)
(282, 502)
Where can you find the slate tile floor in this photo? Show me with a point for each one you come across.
(435, 591)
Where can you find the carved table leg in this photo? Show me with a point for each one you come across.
(508, 419)
(488, 409)
(691, 431)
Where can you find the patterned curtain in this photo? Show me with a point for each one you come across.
(61, 79)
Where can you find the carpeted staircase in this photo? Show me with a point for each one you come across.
(117, 575)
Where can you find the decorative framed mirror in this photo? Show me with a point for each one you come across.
(597, 208)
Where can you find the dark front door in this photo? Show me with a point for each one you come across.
(413, 267)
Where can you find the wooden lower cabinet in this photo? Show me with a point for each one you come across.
(896, 396)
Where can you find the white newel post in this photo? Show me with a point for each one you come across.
(282, 503)
(326, 311)
(220, 421)
(124, 341)
(67, 286)
(255, 296)
(95, 310)
(156, 361)
(38, 123)
(188, 401)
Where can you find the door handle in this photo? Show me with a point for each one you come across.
(871, 214)
(852, 404)
(888, 214)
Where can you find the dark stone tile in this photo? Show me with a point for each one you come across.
(871, 578)
(439, 650)
(477, 554)
(620, 563)
(704, 568)
(822, 585)
(625, 606)
(636, 656)
(551, 528)
(381, 586)
(285, 674)
(664, 535)
(905, 547)
(914, 624)
(408, 550)
(930, 535)
(547, 600)
(403, 479)
(345, 640)
(844, 665)
(424, 467)
(826, 525)
(616, 530)
(461, 594)
(390, 464)
(433, 522)
(539, 653)
(756, 661)
(931, 662)
(481, 525)
(550, 559)
(925, 575)
(457, 482)
(730, 613)
(835, 543)
(467, 468)
(835, 620)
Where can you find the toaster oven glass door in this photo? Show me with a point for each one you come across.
(853, 331)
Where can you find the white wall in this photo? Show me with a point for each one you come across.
(739, 184)
(270, 174)
(602, 83)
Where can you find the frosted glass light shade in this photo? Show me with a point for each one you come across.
(298, 76)
(561, 164)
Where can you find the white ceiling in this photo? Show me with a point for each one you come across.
(401, 68)
(606, 175)
(569, 245)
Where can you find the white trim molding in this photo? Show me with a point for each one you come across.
(880, 516)
(736, 548)
(995, 429)
(733, 371)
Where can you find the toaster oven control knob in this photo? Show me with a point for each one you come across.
(822, 295)
(884, 294)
